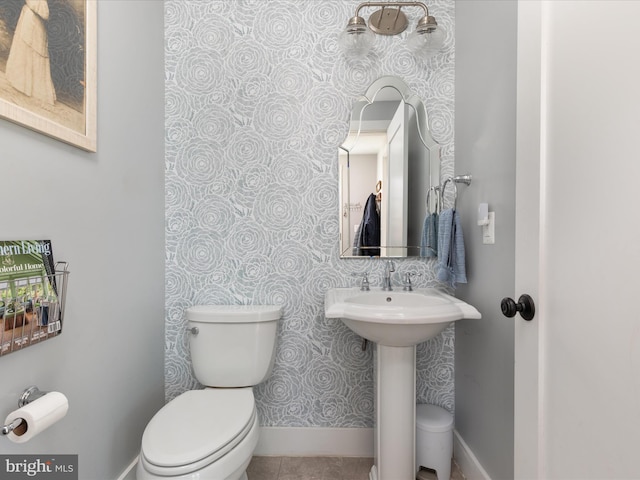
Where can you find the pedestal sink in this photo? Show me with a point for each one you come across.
(396, 321)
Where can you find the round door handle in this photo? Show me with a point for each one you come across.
(525, 306)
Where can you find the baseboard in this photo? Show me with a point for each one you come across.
(315, 441)
(129, 473)
(344, 442)
(466, 460)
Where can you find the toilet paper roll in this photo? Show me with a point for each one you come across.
(38, 416)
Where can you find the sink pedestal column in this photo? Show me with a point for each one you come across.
(395, 395)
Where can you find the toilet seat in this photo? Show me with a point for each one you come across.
(196, 429)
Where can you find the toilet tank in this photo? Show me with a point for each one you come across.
(232, 345)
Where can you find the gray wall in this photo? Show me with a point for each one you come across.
(485, 147)
(104, 213)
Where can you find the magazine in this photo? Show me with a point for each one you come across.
(29, 298)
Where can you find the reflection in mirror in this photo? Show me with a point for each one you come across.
(387, 165)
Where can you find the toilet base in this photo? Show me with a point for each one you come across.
(141, 474)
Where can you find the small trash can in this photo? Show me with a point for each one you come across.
(434, 439)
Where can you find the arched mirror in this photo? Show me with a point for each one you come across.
(387, 165)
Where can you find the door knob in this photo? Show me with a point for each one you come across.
(525, 306)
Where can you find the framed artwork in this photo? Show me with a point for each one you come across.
(48, 68)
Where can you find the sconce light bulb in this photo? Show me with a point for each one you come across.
(427, 39)
(357, 39)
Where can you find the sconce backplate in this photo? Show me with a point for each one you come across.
(388, 21)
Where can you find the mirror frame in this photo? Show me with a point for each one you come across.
(422, 124)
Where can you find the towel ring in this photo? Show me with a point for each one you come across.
(466, 179)
(455, 192)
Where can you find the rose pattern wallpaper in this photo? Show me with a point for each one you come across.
(258, 98)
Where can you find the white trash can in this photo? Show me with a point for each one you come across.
(434, 439)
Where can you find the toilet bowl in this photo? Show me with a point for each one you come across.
(211, 434)
(219, 448)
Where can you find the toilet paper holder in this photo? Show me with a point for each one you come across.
(30, 394)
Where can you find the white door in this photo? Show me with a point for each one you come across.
(396, 190)
(577, 371)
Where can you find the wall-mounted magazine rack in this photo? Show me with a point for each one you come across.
(32, 308)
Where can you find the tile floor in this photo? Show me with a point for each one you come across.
(323, 468)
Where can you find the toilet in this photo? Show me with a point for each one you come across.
(211, 434)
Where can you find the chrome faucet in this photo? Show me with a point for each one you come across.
(406, 282)
(389, 268)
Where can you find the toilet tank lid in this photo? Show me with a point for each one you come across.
(234, 313)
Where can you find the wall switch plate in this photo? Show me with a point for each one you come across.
(489, 231)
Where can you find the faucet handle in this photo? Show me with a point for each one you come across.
(406, 280)
(364, 283)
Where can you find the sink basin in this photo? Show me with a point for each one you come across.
(396, 318)
(396, 321)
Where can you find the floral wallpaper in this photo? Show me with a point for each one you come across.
(257, 101)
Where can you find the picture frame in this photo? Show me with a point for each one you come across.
(56, 96)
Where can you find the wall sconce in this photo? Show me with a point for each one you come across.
(357, 39)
